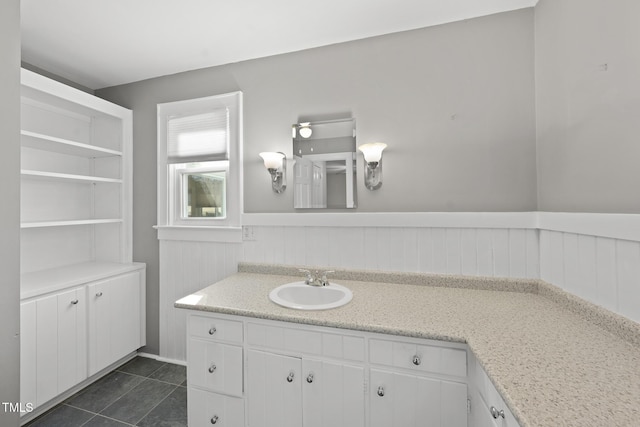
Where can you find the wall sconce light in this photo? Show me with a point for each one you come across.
(372, 164)
(276, 164)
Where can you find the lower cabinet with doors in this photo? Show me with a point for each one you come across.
(68, 335)
(260, 373)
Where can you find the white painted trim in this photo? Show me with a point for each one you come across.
(395, 219)
(200, 234)
(44, 84)
(162, 359)
(616, 226)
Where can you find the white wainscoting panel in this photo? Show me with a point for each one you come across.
(468, 251)
(602, 270)
(185, 268)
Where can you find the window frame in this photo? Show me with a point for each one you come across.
(169, 184)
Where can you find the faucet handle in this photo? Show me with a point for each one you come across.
(324, 279)
(309, 278)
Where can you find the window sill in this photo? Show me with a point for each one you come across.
(199, 233)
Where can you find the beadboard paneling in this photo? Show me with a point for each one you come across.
(602, 270)
(468, 251)
(187, 267)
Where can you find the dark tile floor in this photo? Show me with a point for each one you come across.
(142, 392)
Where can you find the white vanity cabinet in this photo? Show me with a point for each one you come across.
(408, 389)
(286, 374)
(215, 371)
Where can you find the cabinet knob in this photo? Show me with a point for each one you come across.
(214, 419)
(212, 369)
(99, 294)
(74, 302)
(495, 413)
(212, 331)
(381, 391)
(416, 360)
(310, 378)
(290, 377)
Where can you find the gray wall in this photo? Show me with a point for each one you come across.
(588, 112)
(455, 104)
(10, 208)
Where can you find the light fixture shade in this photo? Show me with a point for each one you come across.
(372, 151)
(272, 160)
(305, 130)
(277, 167)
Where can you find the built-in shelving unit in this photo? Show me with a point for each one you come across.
(82, 309)
(75, 184)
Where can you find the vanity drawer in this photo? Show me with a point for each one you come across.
(207, 408)
(215, 366)
(306, 341)
(215, 329)
(421, 358)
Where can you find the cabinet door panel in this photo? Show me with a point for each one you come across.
(206, 409)
(273, 390)
(412, 401)
(333, 394)
(28, 349)
(47, 348)
(125, 312)
(72, 355)
(114, 320)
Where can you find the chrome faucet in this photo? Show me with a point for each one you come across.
(316, 279)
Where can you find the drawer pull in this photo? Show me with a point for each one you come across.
(214, 419)
(290, 377)
(99, 294)
(310, 378)
(495, 413)
(212, 369)
(212, 331)
(74, 302)
(381, 391)
(416, 360)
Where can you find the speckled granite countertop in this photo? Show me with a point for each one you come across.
(553, 366)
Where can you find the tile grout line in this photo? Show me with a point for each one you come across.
(158, 404)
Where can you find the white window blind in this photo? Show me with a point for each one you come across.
(199, 137)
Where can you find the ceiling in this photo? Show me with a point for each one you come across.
(101, 43)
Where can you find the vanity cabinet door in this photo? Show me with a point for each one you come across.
(274, 392)
(332, 394)
(401, 400)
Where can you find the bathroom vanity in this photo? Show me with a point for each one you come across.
(451, 354)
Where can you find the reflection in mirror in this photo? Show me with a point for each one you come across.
(325, 164)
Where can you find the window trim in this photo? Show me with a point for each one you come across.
(166, 192)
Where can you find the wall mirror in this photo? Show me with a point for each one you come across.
(325, 164)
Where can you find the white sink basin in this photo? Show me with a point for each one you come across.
(300, 296)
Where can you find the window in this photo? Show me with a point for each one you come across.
(199, 165)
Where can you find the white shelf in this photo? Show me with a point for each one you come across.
(64, 146)
(67, 177)
(45, 281)
(67, 223)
